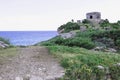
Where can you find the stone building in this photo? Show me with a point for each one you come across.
(93, 16)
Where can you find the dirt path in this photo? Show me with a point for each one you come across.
(34, 63)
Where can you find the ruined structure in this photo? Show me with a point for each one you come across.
(93, 16)
(94, 19)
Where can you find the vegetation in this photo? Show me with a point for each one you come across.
(5, 40)
(5, 54)
(109, 38)
(105, 23)
(88, 39)
(9, 52)
(81, 63)
(69, 27)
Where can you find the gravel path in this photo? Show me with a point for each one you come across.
(31, 63)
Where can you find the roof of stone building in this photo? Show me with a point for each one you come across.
(93, 13)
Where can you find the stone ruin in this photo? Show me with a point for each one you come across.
(93, 16)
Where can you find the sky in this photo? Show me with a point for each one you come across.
(44, 15)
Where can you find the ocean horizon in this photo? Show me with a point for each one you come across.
(26, 38)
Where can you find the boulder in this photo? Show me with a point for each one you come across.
(105, 49)
(3, 45)
(100, 67)
(83, 28)
(99, 48)
(68, 35)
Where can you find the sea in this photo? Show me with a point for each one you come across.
(26, 38)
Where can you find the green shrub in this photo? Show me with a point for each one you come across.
(59, 40)
(47, 44)
(78, 42)
(70, 26)
(79, 71)
(115, 72)
(85, 21)
(64, 62)
(100, 73)
(108, 38)
(105, 23)
(118, 42)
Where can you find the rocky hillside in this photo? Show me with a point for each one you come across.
(85, 25)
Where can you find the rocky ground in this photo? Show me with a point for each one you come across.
(31, 63)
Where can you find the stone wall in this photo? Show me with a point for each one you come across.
(93, 15)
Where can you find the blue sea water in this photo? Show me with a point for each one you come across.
(27, 37)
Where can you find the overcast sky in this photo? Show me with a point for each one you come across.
(50, 14)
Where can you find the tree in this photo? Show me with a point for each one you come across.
(85, 21)
(70, 26)
(105, 23)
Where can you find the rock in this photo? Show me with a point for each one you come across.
(118, 64)
(39, 69)
(60, 31)
(18, 78)
(68, 35)
(105, 49)
(98, 48)
(112, 50)
(36, 78)
(100, 67)
(3, 45)
(44, 70)
(83, 28)
(0, 78)
(27, 77)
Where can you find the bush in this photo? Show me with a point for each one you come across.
(118, 42)
(108, 38)
(79, 71)
(105, 23)
(47, 43)
(70, 26)
(99, 73)
(59, 41)
(115, 72)
(85, 21)
(78, 42)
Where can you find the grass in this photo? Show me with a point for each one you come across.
(5, 54)
(85, 56)
(79, 61)
(9, 52)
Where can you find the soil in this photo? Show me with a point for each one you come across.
(31, 63)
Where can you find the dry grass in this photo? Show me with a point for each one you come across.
(6, 54)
